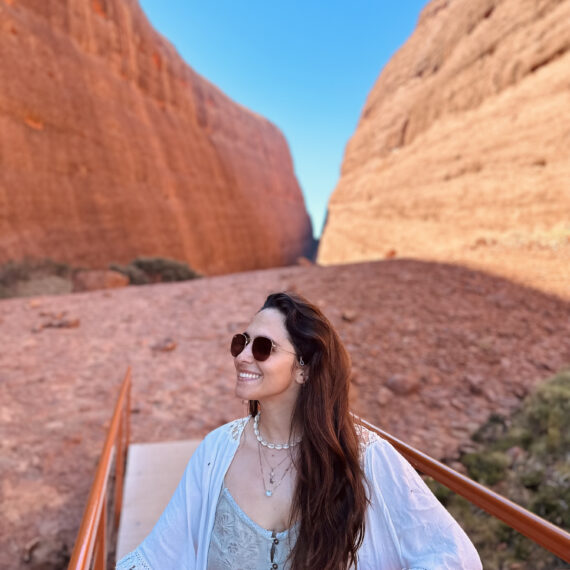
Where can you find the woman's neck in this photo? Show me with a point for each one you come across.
(275, 423)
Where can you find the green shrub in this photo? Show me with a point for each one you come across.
(552, 498)
(538, 479)
(144, 270)
(165, 269)
(531, 477)
(14, 271)
(136, 276)
(487, 468)
(547, 414)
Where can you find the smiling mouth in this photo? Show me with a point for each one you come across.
(248, 376)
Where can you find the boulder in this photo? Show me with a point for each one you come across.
(91, 280)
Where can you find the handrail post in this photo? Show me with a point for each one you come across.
(100, 562)
(92, 535)
(120, 458)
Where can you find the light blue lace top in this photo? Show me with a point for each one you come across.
(238, 542)
(406, 526)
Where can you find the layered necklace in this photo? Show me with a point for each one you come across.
(272, 483)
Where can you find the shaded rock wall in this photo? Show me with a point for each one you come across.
(462, 150)
(111, 146)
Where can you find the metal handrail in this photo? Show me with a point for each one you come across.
(544, 533)
(91, 544)
(91, 541)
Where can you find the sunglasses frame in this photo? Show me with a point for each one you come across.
(249, 339)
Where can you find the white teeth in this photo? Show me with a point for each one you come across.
(248, 375)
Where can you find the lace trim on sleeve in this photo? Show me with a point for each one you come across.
(365, 437)
(236, 427)
(132, 561)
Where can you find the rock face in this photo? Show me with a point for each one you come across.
(112, 147)
(462, 151)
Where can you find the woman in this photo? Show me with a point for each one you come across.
(297, 484)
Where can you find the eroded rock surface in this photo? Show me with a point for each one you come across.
(462, 150)
(112, 147)
(435, 350)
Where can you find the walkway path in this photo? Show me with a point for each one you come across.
(153, 472)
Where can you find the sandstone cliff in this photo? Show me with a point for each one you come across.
(112, 147)
(462, 150)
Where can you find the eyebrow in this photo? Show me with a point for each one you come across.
(278, 343)
(255, 336)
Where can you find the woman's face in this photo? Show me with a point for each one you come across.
(277, 379)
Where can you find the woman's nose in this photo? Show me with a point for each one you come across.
(245, 355)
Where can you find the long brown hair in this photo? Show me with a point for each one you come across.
(330, 497)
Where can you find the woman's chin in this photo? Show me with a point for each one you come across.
(246, 391)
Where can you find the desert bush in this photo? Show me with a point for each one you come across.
(144, 270)
(14, 272)
(166, 269)
(136, 276)
(537, 476)
(487, 468)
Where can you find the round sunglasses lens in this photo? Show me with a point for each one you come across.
(238, 344)
(261, 348)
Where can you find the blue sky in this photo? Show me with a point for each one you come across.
(307, 66)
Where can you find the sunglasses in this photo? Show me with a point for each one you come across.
(261, 346)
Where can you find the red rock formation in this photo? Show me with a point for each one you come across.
(461, 153)
(113, 147)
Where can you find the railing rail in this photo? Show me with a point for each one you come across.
(544, 533)
(91, 545)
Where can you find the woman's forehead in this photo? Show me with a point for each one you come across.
(268, 322)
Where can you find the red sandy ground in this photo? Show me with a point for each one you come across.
(435, 348)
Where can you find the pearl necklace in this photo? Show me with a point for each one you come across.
(277, 446)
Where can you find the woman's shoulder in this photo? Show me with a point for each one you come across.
(230, 431)
(375, 450)
(224, 439)
(366, 437)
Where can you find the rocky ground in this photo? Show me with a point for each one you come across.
(436, 348)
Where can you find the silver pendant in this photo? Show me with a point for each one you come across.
(268, 493)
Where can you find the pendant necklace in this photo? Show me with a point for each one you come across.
(271, 468)
(268, 490)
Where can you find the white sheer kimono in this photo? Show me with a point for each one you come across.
(406, 526)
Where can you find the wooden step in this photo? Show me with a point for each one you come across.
(152, 474)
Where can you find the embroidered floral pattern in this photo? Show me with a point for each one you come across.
(366, 438)
(132, 561)
(236, 427)
(238, 542)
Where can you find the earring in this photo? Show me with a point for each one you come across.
(301, 361)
